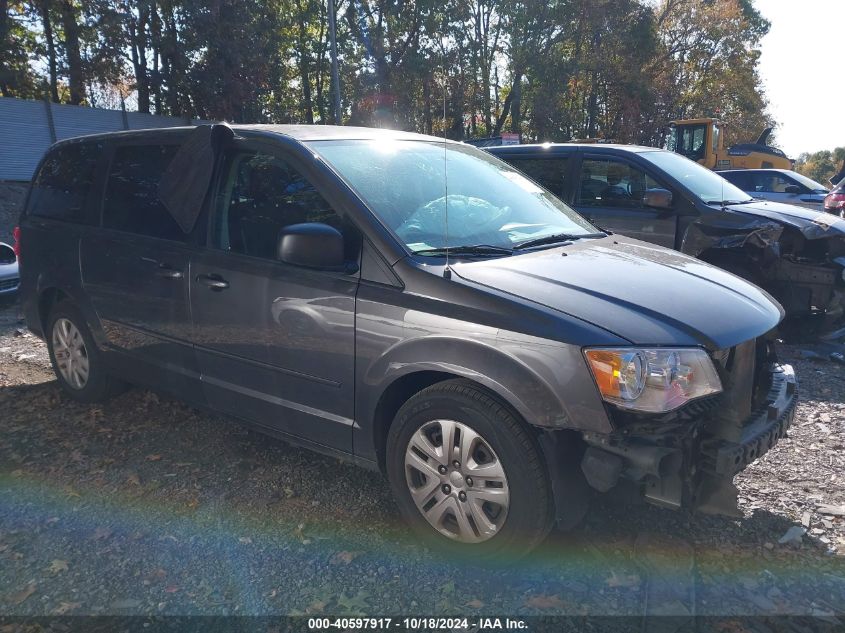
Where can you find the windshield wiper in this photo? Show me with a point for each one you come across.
(726, 202)
(554, 239)
(467, 249)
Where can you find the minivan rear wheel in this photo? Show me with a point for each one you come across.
(77, 362)
(467, 474)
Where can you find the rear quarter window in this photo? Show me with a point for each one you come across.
(548, 171)
(132, 202)
(741, 180)
(61, 187)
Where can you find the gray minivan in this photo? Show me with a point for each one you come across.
(414, 305)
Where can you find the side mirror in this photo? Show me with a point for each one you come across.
(658, 199)
(7, 254)
(312, 245)
(793, 189)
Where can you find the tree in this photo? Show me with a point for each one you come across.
(708, 67)
(45, 10)
(70, 26)
(821, 166)
(17, 45)
(546, 69)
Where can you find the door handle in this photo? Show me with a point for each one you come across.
(213, 282)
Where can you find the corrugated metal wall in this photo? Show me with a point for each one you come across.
(73, 121)
(24, 135)
(28, 128)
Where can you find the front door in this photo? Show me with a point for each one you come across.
(610, 193)
(275, 342)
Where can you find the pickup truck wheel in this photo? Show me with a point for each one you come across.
(467, 475)
(76, 361)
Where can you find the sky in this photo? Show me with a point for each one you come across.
(802, 65)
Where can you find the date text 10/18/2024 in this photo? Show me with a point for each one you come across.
(474, 625)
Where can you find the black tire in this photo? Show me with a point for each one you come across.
(531, 508)
(100, 385)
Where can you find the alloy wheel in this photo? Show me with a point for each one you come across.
(70, 353)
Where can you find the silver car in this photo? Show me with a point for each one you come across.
(779, 185)
(9, 277)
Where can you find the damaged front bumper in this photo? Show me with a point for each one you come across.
(809, 289)
(694, 465)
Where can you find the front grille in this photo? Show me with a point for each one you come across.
(746, 373)
(9, 284)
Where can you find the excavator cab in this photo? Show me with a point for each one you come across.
(697, 139)
(702, 140)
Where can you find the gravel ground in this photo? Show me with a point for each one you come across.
(145, 506)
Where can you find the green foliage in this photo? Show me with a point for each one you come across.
(821, 166)
(709, 68)
(548, 69)
(17, 43)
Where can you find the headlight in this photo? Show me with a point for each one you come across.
(652, 380)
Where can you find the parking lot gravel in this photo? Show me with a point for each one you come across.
(143, 505)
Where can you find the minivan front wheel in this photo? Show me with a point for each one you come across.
(457, 481)
(467, 474)
(76, 361)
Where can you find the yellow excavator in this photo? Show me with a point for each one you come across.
(703, 140)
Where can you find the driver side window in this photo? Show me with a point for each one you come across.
(771, 183)
(260, 195)
(613, 183)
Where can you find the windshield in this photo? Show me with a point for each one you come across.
(707, 185)
(811, 184)
(404, 183)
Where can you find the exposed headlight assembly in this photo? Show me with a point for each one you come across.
(652, 380)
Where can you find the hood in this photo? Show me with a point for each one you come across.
(643, 293)
(812, 224)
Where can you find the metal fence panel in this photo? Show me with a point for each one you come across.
(141, 121)
(73, 121)
(24, 136)
(25, 129)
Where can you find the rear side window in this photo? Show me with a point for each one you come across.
(549, 172)
(131, 203)
(741, 180)
(61, 187)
